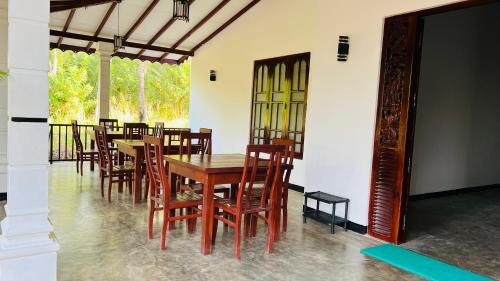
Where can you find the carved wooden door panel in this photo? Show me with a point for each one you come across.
(390, 168)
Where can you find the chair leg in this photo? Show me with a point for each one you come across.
(129, 183)
(102, 184)
(285, 209)
(237, 235)
(270, 233)
(110, 187)
(215, 226)
(146, 189)
(77, 163)
(151, 218)
(164, 228)
(253, 226)
(246, 225)
(81, 166)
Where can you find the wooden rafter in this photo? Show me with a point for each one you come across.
(197, 26)
(141, 19)
(103, 22)
(226, 24)
(66, 25)
(125, 43)
(63, 5)
(77, 49)
(159, 33)
(220, 29)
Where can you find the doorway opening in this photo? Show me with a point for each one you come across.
(454, 189)
(397, 129)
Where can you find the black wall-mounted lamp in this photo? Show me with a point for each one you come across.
(343, 50)
(213, 75)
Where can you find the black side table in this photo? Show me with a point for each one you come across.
(325, 198)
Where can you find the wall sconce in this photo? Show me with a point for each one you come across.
(213, 75)
(343, 50)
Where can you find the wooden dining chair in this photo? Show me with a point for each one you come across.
(162, 197)
(176, 132)
(198, 144)
(287, 159)
(81, 154)
(134, 131)
(111, 124)
(244, 204)
(158, 129)
(107, 168)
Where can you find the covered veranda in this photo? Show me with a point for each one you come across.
(56, 224)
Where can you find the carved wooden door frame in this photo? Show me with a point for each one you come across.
(395, 126)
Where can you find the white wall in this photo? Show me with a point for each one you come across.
(3, 96)
(458, 122)
(342, 96)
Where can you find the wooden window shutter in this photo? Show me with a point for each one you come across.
(389, 168)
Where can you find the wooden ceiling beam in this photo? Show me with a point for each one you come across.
(66, 25)
(162, 30)
(198, 25)
(226, 24)
(139, 21)
(63, 5)
(125, 43)
(103, 22)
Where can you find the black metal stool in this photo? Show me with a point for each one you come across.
(329, 199)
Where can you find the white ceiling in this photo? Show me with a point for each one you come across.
(86, 21)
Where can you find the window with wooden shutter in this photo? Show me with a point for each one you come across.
(279, 100)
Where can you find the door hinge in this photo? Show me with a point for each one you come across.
(414, 100)
(409, 165)
(404, 222)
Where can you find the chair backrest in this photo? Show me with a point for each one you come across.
(176, 132)
(111, 124)
(288, 157)
(153, 152)
(171, 141)
(158, 129)
(261, 158)
(134, 131)
(76, 136)
(205, 130)
(195, 143)
(101, 139)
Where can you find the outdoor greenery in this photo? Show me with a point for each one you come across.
(73, 90)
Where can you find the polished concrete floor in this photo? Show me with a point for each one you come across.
(108, 241)
(463, 230)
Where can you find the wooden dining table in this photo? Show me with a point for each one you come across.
(135, 149)
(211, 170)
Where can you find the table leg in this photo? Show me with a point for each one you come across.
(207, 218)
(137, 189)
(345, 216)
(92, 147)
(304, 210)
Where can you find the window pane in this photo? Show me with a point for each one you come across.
(293, 116)
(303, 76)
(295, 77)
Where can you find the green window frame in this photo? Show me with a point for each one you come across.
(279, 100)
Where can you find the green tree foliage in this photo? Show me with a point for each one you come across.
(74, 84)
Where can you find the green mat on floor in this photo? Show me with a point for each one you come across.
(420, 265)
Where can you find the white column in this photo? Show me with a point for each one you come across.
(3, 96)
(28, 249)
(104, 50)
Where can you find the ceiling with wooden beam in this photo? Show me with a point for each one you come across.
(151, 33)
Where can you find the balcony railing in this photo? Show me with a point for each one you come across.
(61, 144)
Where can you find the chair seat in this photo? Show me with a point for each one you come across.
(186, 198)
(123, 168)
(90, 152)
(198, 188)
(229, 204)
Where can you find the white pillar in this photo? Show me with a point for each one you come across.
(104, 51)
(3, 96)
(28, 248)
